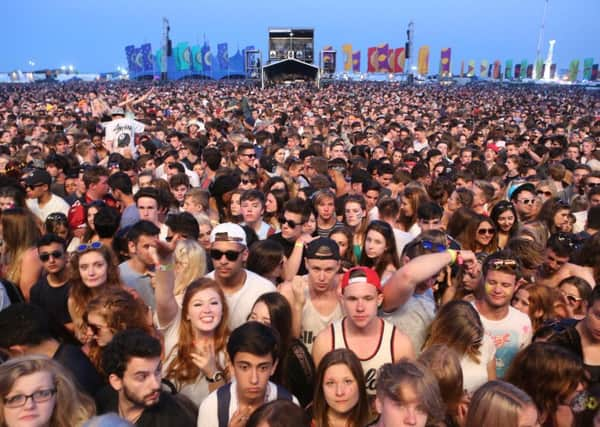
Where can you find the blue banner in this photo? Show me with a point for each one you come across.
(197, 58)
(147, 59)
(206, 58)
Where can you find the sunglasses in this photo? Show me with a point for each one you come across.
(289, 222)
(527, 201)
(437, 247)
(85, 247)
(483, 231)
(230, 255)
(45, 256)
(544, 193)
(250, 156)
(248, 181)
(498, 264)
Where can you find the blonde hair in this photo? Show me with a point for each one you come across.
(189, 253)
(20, 233)
(72, 408)
(497, 404)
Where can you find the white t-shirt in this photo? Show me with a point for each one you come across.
(55, 204)
(240, 303)
(509, 336)
(198, 390)
(121, 133)
(476, 374)
(208, 413)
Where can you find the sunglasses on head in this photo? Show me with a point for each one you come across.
(89, 246)
(230, 255)
(289, 222)
(45, 256)
(437, 247)
(499, 264)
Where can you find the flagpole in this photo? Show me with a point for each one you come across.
(538, 55)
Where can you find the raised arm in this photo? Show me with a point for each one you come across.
(400, 287)
(166, 305)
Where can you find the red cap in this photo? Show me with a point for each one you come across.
(492, 146)
(361, 275)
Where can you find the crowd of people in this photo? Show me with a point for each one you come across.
(364, 254)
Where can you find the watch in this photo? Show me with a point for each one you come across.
(218, 376)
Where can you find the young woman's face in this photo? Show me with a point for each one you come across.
(340, 389)
(561, 219)
(98, 329)
(205, 310)
(571, 297)
(279, 156)
(93, 269)
(91, 213)
(342, 242)
(520, 301)
(310, 226)
(260, 313)
(506, 220)
(405, 207)
(354, 214)
(485, 233)
(374, 244)
(31, 413)
(6, 202)
(270, 203)
(204, 239)
(234, 205)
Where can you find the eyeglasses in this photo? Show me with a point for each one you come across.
(544, 193)
(289, 222)
(249, 155)
(39, 396)
(527, 201)
(85, 247)
(499, 264)
(428, 245)
(230, 255)
(483, 231)
(45, 256)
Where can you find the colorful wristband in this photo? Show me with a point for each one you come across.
(453, 256)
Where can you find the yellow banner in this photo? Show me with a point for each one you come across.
(347, 49)
(423, 63)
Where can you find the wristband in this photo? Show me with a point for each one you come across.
(453, 256)
(165, 267)
(299, 245)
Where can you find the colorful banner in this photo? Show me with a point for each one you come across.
(517, 71)
(399, 60)
(356, 61)
(508, 69)
(594, 72)
(423, 62)
(223, 56)
(206, 58)
(462, 68)
(524, 68)
(383, 53)
(446, 55)
(158, 61)
(471, 68)
(483, 68)
(573, 70)
(539, 69)
(530, 71)
(328, 57)
(588, 63)
(129, 52)
(496, 72)
(348, 56)
(197, 58)
(184, 56)
(373, 65)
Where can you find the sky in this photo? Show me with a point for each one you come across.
(92, 34)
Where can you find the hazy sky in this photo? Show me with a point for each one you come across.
(92, 34)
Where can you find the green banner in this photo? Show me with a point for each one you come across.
(523, 68)
(539, 69)
(588, 63)
(573, 70)
(508, 69)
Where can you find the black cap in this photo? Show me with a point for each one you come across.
(38, 177)
(322, 248)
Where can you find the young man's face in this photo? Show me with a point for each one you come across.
(409, 413)
(224, 268)
(142, 248)
(499, 287)
(190, 206)
(252, 373)
(148, 209)
(525, 204)
(322, 273)
(326, 208)
(179, 192)
(371, 197)
(287, 231)
(361, 301)
(140, 384)
(553, 262)
(430, 224)
(252, 211)
(52, 257)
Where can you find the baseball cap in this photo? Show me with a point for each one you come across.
(514, 192)
(322, 248)
(361, 275)
(228, 232)
(38, 177)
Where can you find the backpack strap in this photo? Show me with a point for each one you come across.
(283, 394)
(223, 400)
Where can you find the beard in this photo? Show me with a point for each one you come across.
(142, 402)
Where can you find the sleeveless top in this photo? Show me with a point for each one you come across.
(384, 353)
(314, 322)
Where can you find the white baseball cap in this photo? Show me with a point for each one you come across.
(228, 232)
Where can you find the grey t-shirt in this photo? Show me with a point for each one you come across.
(140, 282)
